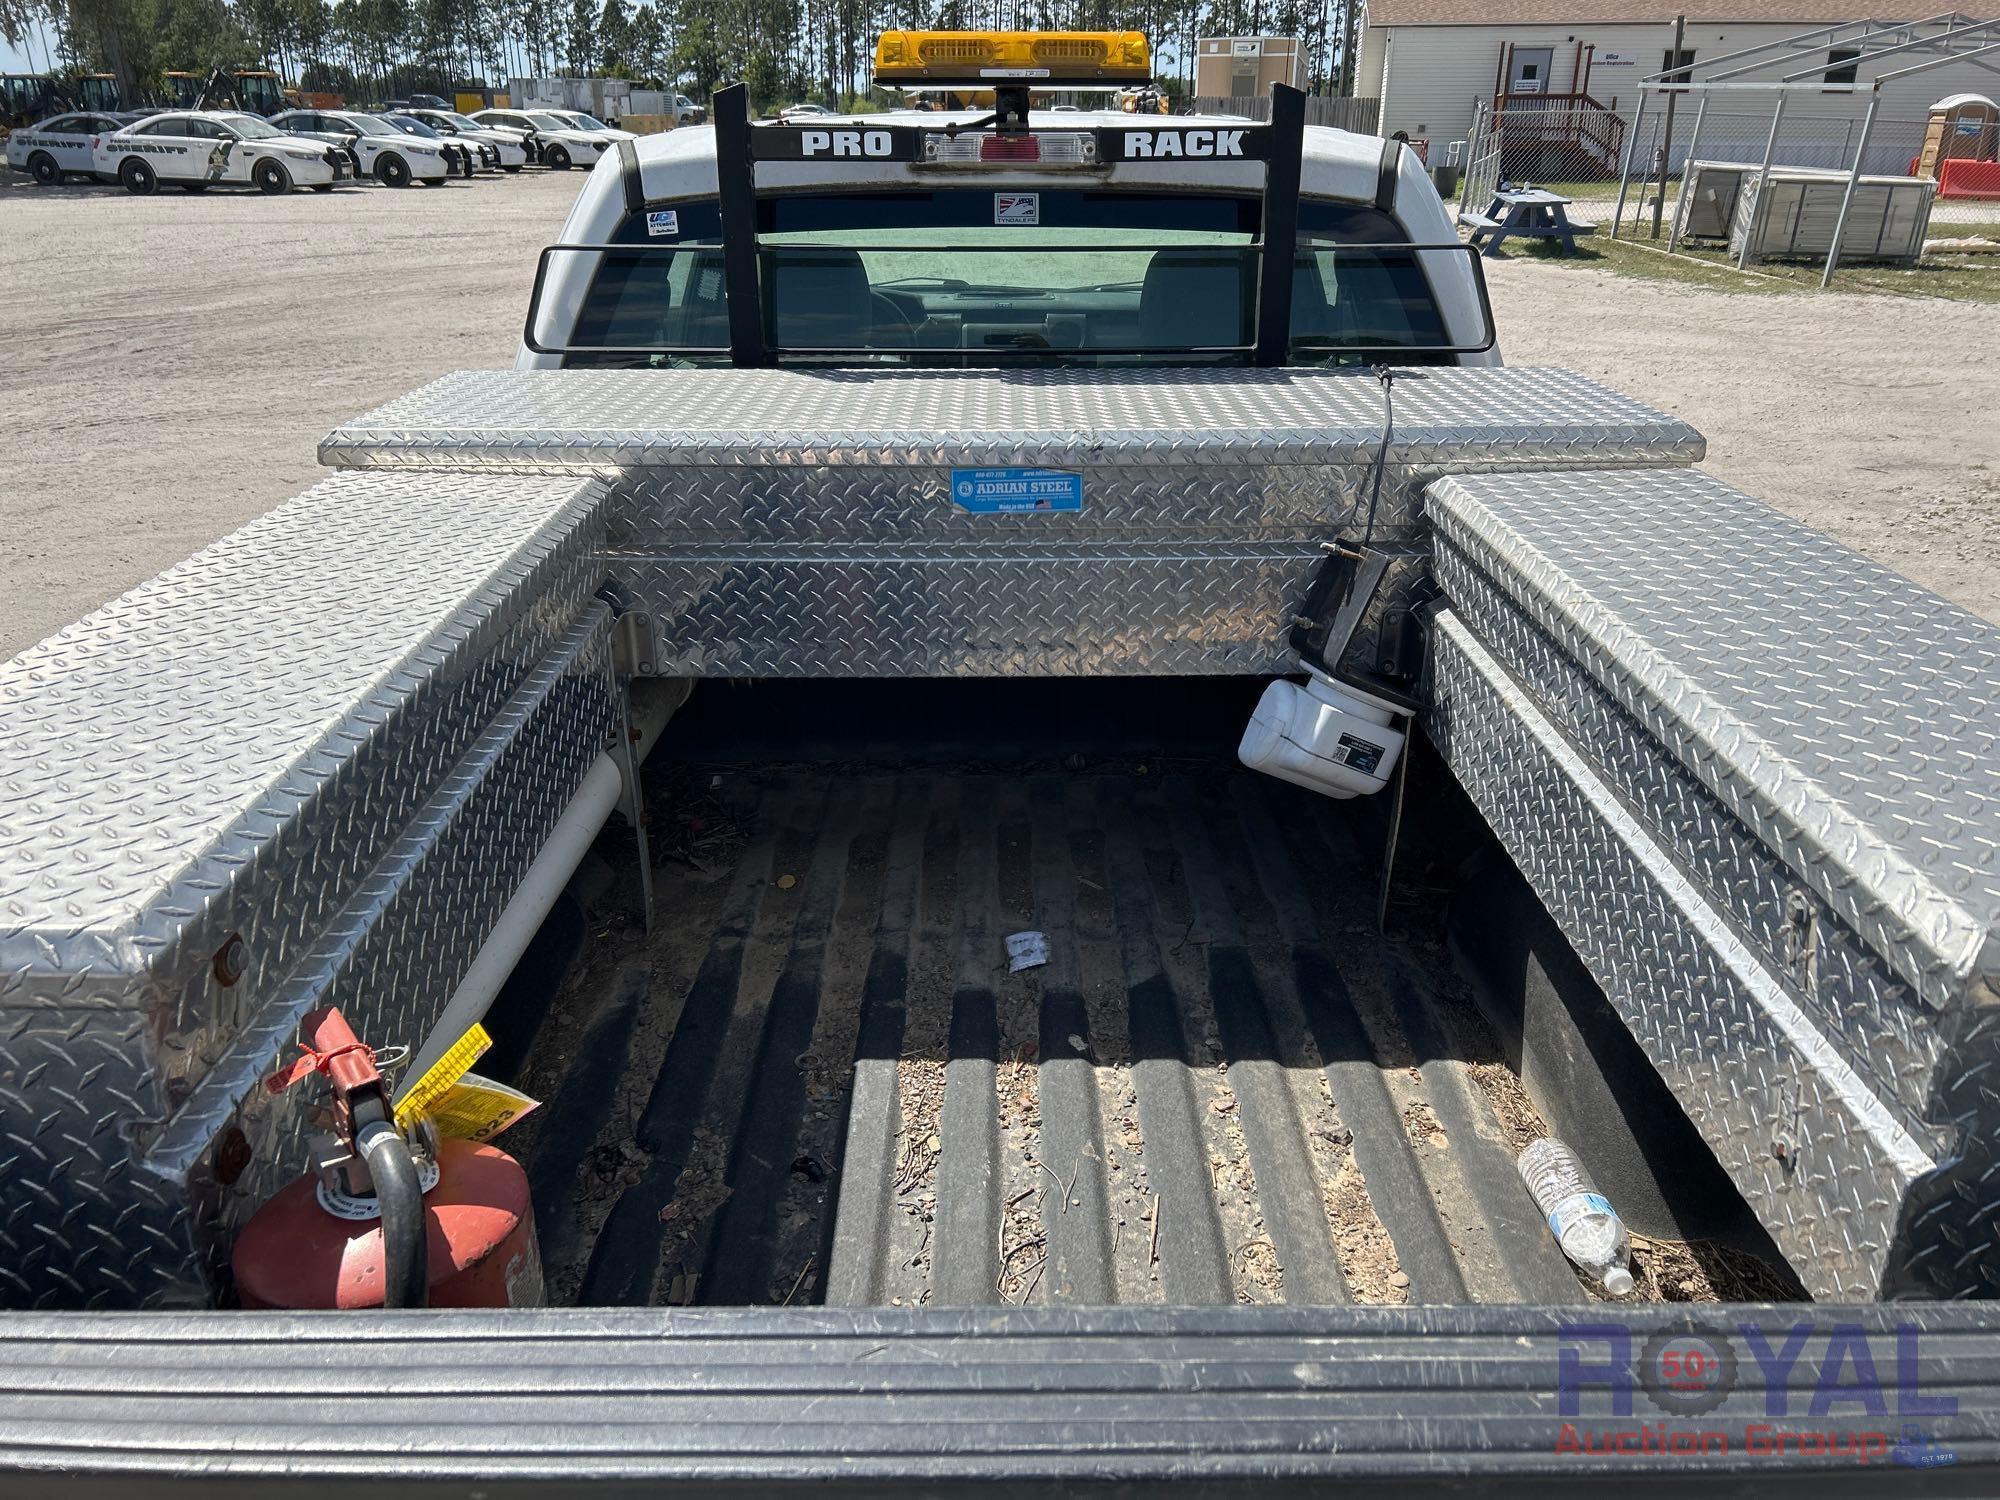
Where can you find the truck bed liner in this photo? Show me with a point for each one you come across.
(818, 1080)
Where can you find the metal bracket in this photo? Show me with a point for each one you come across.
(624, 746)
(1359, 624)
(632, 647)
(1358, 572)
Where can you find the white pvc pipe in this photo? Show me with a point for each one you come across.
(522, 917)
(547, 874)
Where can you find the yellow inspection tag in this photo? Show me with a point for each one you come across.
(477, 1109)
(441, 1075)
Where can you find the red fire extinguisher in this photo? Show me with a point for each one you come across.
(394, 1222)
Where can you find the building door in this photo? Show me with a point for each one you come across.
(1245, 67)
(1530, 73)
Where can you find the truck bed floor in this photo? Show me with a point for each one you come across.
(817, 1079)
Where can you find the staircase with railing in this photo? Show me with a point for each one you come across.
(1557, 137)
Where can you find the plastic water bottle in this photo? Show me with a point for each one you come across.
(1581, 1218)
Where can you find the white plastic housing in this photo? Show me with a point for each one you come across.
(1323, 736)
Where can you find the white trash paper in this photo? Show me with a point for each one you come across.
(1026, 950)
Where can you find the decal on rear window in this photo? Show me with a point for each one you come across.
(1017, 208)
(663, 223)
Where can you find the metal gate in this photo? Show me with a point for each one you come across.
(1482, 162)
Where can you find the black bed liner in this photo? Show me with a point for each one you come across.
(727, 1119)
(818, 1081)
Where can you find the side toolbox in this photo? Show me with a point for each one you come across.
(1756, 779)
(304, 767)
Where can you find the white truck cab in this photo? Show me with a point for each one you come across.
(1080, 237)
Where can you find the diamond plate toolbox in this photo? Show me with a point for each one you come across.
(302, 767)
(1809, 747)
(805, 522)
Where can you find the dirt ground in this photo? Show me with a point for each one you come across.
(1874, 418)
(174, 360)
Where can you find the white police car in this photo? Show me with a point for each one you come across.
(59, 147)
(591, 123)
(390, 156)
(504, 149)
(563, 144)
(199, 149)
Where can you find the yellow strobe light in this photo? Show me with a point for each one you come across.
(1053, 58)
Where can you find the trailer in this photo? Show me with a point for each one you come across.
(813, 714)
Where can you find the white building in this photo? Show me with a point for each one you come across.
(1432, 61)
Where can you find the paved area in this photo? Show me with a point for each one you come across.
(176, 359)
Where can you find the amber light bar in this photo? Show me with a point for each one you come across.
(1055, 58)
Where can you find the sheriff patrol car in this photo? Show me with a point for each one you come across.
(199, 149)
(392, 157)
(501, 148)
(63, 146)
(563, 144)
(1008, 232)
(591, 123)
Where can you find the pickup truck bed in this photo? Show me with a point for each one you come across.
(816, 1078)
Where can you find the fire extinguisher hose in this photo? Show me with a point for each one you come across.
(405, 1236)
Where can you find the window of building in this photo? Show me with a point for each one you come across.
(1677, 67)
(1841, 66)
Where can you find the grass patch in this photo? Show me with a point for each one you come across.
(1946, 229)
(1961, 278)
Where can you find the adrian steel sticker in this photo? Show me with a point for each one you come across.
(663, 223)
(988, 492)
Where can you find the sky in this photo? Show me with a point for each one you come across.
(15, 59)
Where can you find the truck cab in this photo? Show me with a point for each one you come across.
(1083, 239)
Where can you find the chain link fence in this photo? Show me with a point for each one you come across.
(1533, 146)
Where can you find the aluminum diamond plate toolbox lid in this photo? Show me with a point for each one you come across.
(161, 756)
(590, 421)
(219, 795)
(1848, 716)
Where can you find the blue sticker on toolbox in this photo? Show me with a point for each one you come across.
(1000, 491)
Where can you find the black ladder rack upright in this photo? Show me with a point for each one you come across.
(738, 148)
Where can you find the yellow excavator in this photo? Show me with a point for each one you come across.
(255, 91)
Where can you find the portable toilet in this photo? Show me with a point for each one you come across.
(1962, 147)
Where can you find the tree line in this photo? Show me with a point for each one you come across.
(786, 50)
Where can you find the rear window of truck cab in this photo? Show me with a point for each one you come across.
(1074, 275)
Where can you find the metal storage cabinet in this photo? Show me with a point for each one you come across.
(1706, 207)
(1707, 201)
(1797, 210)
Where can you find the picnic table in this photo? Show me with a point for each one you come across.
(1533, 212)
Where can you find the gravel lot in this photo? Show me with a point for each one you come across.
(177, 358)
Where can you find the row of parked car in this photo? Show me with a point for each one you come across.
(311, 148)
